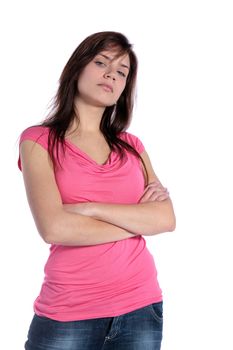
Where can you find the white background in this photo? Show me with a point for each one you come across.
(182, 115)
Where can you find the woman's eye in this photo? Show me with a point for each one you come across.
(122, 73)
(99, 63)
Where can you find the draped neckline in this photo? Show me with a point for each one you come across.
(85, 155)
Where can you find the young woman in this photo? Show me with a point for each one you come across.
(93, 194)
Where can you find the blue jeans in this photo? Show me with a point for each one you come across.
(137, 330)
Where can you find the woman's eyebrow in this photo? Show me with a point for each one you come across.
(108, 58)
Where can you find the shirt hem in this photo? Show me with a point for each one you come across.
(68, 318)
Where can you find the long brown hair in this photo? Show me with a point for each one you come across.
(116, 118)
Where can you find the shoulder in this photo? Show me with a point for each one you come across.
(133, 140)
(39, 134)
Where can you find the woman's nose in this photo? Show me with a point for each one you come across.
(110, 75)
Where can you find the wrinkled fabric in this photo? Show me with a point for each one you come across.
(105, 280)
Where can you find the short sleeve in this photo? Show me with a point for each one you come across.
(38, 134)
(134, 141)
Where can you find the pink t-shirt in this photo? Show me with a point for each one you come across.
(105, 280)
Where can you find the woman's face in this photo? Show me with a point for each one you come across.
(104, 78)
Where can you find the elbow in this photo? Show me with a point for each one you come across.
(171, 225)
(48, 231)
(48, 238)
(47, 234)
(52, 226)
(169, 219)
(169, 222)
(167, 226)
(51, 234)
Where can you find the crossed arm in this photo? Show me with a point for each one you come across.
(145, 218)
(90, 223)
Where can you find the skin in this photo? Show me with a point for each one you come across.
(103, 70)
(92, 100)
(92, 223)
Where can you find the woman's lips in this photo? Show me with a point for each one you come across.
(106, 87)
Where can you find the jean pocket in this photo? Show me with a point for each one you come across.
(156, 310)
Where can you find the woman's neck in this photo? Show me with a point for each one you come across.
(88, 117)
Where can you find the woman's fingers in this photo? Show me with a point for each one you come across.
(162, 197)
(151, 185)
(154, 191)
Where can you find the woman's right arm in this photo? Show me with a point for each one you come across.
(54, 223)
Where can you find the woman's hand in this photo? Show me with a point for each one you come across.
(154, 192)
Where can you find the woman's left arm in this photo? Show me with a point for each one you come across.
(152, 215)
